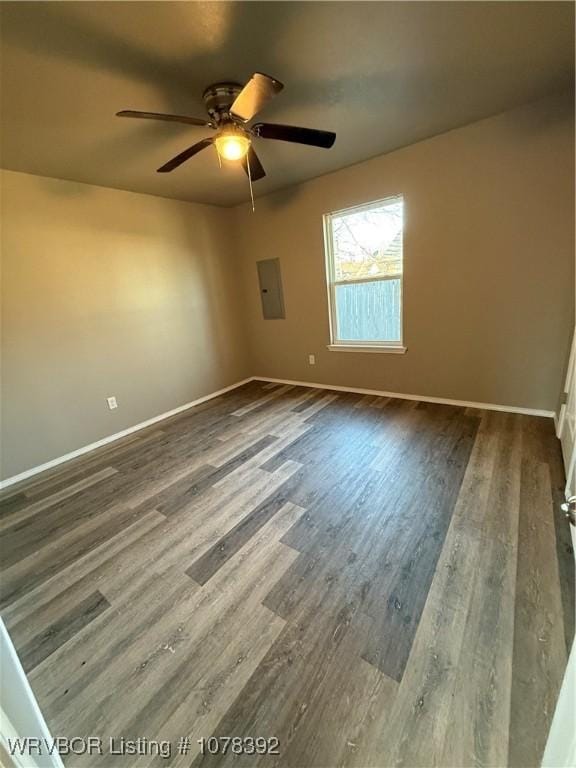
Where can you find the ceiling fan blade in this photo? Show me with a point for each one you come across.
(256, 169)
(167, 118)
(255, 94)
(293, 133)
(186, 155)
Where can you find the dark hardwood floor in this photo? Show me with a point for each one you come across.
(373, 582)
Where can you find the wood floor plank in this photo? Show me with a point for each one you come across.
(87, 568)
(23, 539)
(259, 402)
(11, 503)
(312, 397)
(377, 582)
(78, 469)
(539, 649)
(99, 657)
(221, 551)
(195, 529)
(301, 662)
(153, 665)
(338, 715)
(414, 544)
(39, 648)
(541, 444)
(30, 510)
(196, 695)
(55, 557)
(221, 678)
(420, 719)
(480, 711)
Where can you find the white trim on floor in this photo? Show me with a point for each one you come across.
(21, 718)
(401, 396)
(116, 436)
(558, 420)
(111, 438)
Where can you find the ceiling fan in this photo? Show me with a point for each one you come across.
(231, 106)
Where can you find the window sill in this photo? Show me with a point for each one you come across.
(392, 349)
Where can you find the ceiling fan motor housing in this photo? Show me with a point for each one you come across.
(218, 99)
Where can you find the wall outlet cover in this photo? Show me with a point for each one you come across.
(312, 359)
(112, 404)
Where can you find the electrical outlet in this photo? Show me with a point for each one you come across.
(312, 359)
(112, 404)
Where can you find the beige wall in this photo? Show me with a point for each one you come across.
(114, 293)
(108, 293)
(489, 264)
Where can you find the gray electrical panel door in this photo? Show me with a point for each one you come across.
(271, 289)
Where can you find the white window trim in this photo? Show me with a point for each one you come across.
(389, 347)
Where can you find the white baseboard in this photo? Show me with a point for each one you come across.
(116, 436)
(559, 420)
(111, 438)
(401, 396)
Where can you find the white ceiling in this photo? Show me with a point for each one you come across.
(380, 74)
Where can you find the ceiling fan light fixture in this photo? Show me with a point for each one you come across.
(232, 144)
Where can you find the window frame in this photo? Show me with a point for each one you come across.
(337, 344)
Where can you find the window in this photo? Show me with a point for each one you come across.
(364, 274)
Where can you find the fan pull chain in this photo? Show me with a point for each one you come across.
(250, 183)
